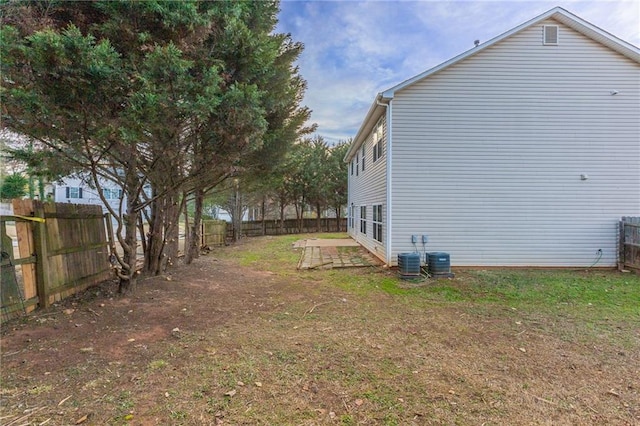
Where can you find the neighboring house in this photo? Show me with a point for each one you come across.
(524, 151)
(75, 190)
(253, 212)
(220, 213)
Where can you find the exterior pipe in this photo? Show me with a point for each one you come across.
(387, 243)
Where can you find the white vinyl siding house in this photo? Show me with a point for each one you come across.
(368, 188)
(77, 189)
(521, 152)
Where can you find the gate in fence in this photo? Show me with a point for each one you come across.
(629, 245)
(50, 251)
(214, 232)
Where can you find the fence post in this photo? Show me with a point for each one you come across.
(110, 236)
(42, 255)
(621, 244)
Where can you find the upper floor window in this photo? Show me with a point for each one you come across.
(74, 192)
(357, 163)
(377, 140)
(112, 193)
(363, 157)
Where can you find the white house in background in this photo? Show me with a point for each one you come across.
(524, 151)
(74, 189)
(222, 214)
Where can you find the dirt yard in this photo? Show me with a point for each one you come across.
(228, 341)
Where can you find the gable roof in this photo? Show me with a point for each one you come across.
(559, 14)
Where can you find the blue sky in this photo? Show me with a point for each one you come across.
(355, 49)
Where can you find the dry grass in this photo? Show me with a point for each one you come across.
(243, 338)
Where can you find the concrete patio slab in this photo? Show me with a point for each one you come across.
(333, 253)
(319, 242)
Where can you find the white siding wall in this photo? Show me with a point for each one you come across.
(89, 195)
(369, 188)
(488, 153)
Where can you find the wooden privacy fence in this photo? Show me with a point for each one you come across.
(290, 226)
(15, 295)
(217, 232)
(629, 245)
(62, 248)
(213, 232)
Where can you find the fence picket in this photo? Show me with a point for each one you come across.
(290, 226)
(24, 233)
(70, 246)
(629, 244)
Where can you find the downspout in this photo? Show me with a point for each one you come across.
(387, 243)
(349, 194)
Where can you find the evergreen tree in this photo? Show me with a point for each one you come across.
(175, 96)
(13, 186)
(337, 179)
(261, 115)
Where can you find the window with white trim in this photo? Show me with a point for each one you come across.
(377, 140)
(363, 157)
(74, 192)
(357, 162)
(363, 220)
(377, 222)
(351, 167)
(352, 216)
(112, 193)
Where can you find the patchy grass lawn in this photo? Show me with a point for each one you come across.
(242, 337)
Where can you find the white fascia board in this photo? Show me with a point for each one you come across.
(557, 13)
(598, 34)
(367, 124)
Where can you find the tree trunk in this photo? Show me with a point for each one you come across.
(187, 229)
(282, 207)
(171, 232)
(195, 234)
(155, 244)
(143, 236)
(299, 215)
(337, 208)
(262, 207)
(164, 232)
(236, 217)
(318, 221)
(128, 273)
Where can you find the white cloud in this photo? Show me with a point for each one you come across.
(620, 18)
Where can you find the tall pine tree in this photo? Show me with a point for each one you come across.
(171, 96)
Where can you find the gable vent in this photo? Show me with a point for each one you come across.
(550, 35)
